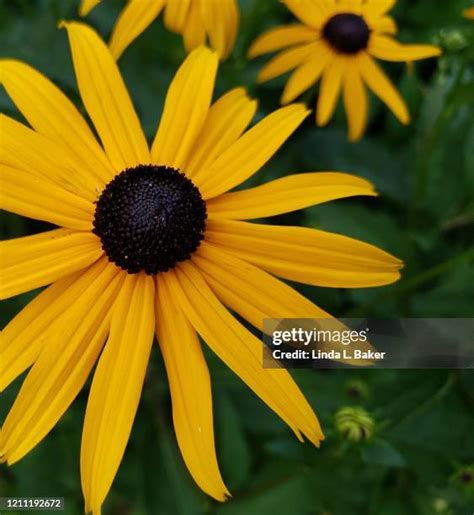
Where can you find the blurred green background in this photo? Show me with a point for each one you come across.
(420, 458)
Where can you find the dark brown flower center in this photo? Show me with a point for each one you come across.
(347, 33)
(149, 218)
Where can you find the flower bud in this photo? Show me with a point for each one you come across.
(354, 424)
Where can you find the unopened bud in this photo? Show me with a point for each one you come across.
(354, 424)
(452, 39)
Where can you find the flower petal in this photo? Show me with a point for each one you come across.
(52, 114)
(248, 290)
(384, 25)
(330, 87)
(226, 121)
(310, 12)
(240, 350)
(386, 48)
(176, 12)
(355, 102)
(469, 13)
(281, 37)
(306, 255)
(26, 149)
(186, 107)
(86, 6)
(286, 60)
(375, 8)
(252, 150)
(221, 20)
(28, 195)
(62, 368)
(34, 261)
(106, 98)
(307, 74)
(23, 338)
(116, 388)
(133, 20)
(287, 194)
(381, 85)
(257, 296)
(191, 394)
(194, 32)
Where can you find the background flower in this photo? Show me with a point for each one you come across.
(424, 175)
(199, 21)
(338, 42)
(469, 13)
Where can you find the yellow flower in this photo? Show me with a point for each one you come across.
(469, 13)
(151, 242)
(337, 41)
(196, 20)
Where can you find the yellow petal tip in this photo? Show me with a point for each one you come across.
(203, 49)
(354, 138)
(300, 107)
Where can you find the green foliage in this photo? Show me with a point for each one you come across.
(423, 440)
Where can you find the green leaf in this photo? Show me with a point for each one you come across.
(380, 452)
(234, 454)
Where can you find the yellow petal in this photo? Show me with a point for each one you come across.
(28, 195)
(86, 6)
(281, 37)
(306, 74)
(248, 290)
(52, 114)
(106, 98)
(379, 83)
(23, 338)
(349, 6)
(257, 296)
(386, 48)
(306, 255)
(288, 194)
(330, 87)
(310, 12)
(252, 150)
(355, 102)
(17, 349)
(375, 8)
(226, 121)
(116, 388)
(191, 394)
(287, 60)
(176, 12)
(34, 261)
(61, 369)
(186, 107)
(136, 16)
(221, 20)
(240, 350)
(384, 25)
(469, 13)
(194, 32)
(26, 149)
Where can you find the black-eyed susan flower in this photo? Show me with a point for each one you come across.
(151, 242)
(337, 41)
(198, 21)
(469, 13)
